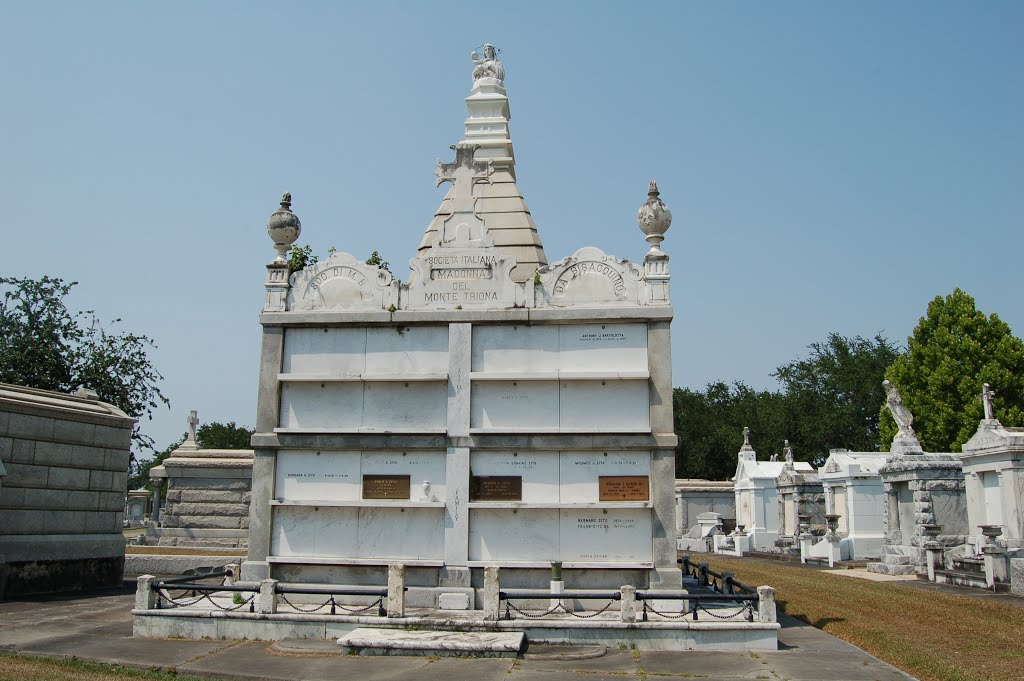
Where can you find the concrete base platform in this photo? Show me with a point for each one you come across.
(605, 630)
(367, 641)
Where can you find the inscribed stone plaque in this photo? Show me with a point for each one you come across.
(385, 487)
(496, 488)
(624, 488)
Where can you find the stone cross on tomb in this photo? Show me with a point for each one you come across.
(987, 393)
(463, 225)
(193, 421)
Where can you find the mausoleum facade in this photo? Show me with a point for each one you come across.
(495, 409)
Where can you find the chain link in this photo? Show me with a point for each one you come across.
(559, 606)
(729, 616)
(178, 604)
(336, 604)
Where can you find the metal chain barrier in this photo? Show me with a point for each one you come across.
(558, 606)
(669, 615)
(334, 604)
(178, 604)
(743, 609)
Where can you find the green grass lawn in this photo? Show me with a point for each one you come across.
(931, 635)
(14, 667)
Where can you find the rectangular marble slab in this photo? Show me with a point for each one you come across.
(397, 404)
(398, 641)
(384, 533)
(603, 347)
(325, 475)
(514, 404)
(611, 406)
(501, 535)
(538, 469)
(515, 348)
(600, 535)
(407, 350)
(579, 471)
(324, 351)
(322, 405)
(419, 466)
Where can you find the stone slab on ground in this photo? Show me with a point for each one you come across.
(369, 641)
(163, 564)
(872, 576)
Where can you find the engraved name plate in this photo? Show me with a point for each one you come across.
(385, 487)
(623, 488)
(496, 488)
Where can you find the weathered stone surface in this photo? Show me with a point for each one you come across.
(207, 496)
(209, 521)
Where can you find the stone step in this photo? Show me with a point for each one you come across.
(896, 559)
(370, 641)
(969, 565)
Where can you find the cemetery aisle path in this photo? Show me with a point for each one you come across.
(933, 635)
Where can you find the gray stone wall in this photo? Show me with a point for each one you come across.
(206, 503)
(62, 503)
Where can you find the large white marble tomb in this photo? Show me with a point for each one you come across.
(492, 410)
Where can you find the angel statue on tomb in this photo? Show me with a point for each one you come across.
(904, 419)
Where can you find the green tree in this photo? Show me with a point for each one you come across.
(217, 435)
(139, 472)
(955, 349)
(44, 345)
(833, 394)
(710, 425)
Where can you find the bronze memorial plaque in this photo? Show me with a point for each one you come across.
(624, 488)
(496, 488)
(385, 487)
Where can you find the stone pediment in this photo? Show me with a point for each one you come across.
(471, 276)
(992, 436)
(590, 277)
(342, 282)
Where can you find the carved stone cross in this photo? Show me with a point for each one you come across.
(193, 421)
(464, 173)
(987, 393)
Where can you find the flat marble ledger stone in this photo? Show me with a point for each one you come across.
(400, 642)
(322, 405)
(612, 534)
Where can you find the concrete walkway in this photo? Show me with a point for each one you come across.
(98, 627)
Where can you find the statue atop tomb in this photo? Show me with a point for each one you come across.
(746, 438)
(488, 66)
(787, 452)
(987, 393)
(904, 419)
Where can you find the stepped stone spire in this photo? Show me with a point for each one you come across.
(496, 200)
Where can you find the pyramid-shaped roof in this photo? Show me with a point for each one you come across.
(498, 200)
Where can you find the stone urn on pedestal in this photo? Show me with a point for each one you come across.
(832, 522)
(284, 228)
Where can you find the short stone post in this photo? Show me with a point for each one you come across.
(145, 596)
(266, 601)
(232, 576)
(627, 608)
(557, 586)
(396, 590)
(806, 541)
(492, 593)
(741, 542)
(995, 564)
(934, 551)
(766, 605)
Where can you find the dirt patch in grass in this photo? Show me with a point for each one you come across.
(183, 551)
(931, 635)
(15, 667)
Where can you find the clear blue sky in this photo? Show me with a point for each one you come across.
(830, 166)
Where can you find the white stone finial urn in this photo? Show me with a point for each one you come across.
(654, 218)
(284, 227)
